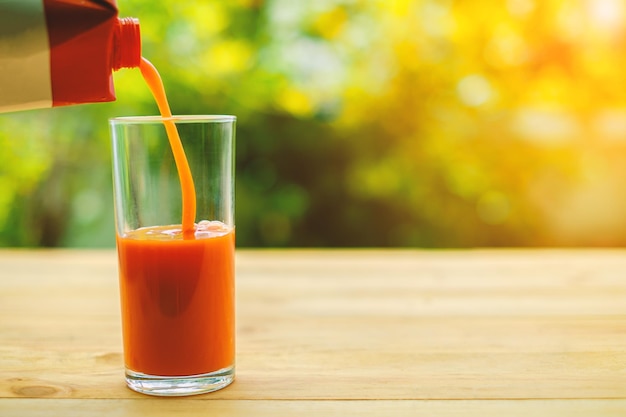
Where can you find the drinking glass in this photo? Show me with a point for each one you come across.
(177, 283)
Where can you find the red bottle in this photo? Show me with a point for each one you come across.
(62, 52)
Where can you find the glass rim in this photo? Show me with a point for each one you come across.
(214, 118)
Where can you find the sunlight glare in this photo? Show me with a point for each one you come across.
(608, 14)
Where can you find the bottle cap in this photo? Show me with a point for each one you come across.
(126, 51)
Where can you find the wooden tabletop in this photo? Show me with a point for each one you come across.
(339, 333)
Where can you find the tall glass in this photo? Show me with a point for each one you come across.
(177, 289)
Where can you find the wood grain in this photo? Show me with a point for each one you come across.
(359, 329)
(168, 407)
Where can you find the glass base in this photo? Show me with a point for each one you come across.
(171, 386)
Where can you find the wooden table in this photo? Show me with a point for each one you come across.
(339, 333)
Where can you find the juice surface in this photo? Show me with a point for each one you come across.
(177, 298)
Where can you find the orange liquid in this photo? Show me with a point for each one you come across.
(177, 289)
(153, 79)
(177, 299)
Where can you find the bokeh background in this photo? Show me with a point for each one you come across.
(424, 123)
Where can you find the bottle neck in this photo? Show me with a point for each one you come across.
(126, 49)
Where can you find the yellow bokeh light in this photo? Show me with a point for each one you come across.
(208, 18)
(296, 102)
(606, 14)
(228, 57)
(331, 23)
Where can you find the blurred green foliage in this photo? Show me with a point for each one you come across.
(430, 123)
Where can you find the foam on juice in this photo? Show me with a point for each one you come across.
(202, 230)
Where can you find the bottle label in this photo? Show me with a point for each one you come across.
(24, 56)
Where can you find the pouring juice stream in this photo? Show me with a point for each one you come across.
(153, 79)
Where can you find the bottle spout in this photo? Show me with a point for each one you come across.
(126, 51)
